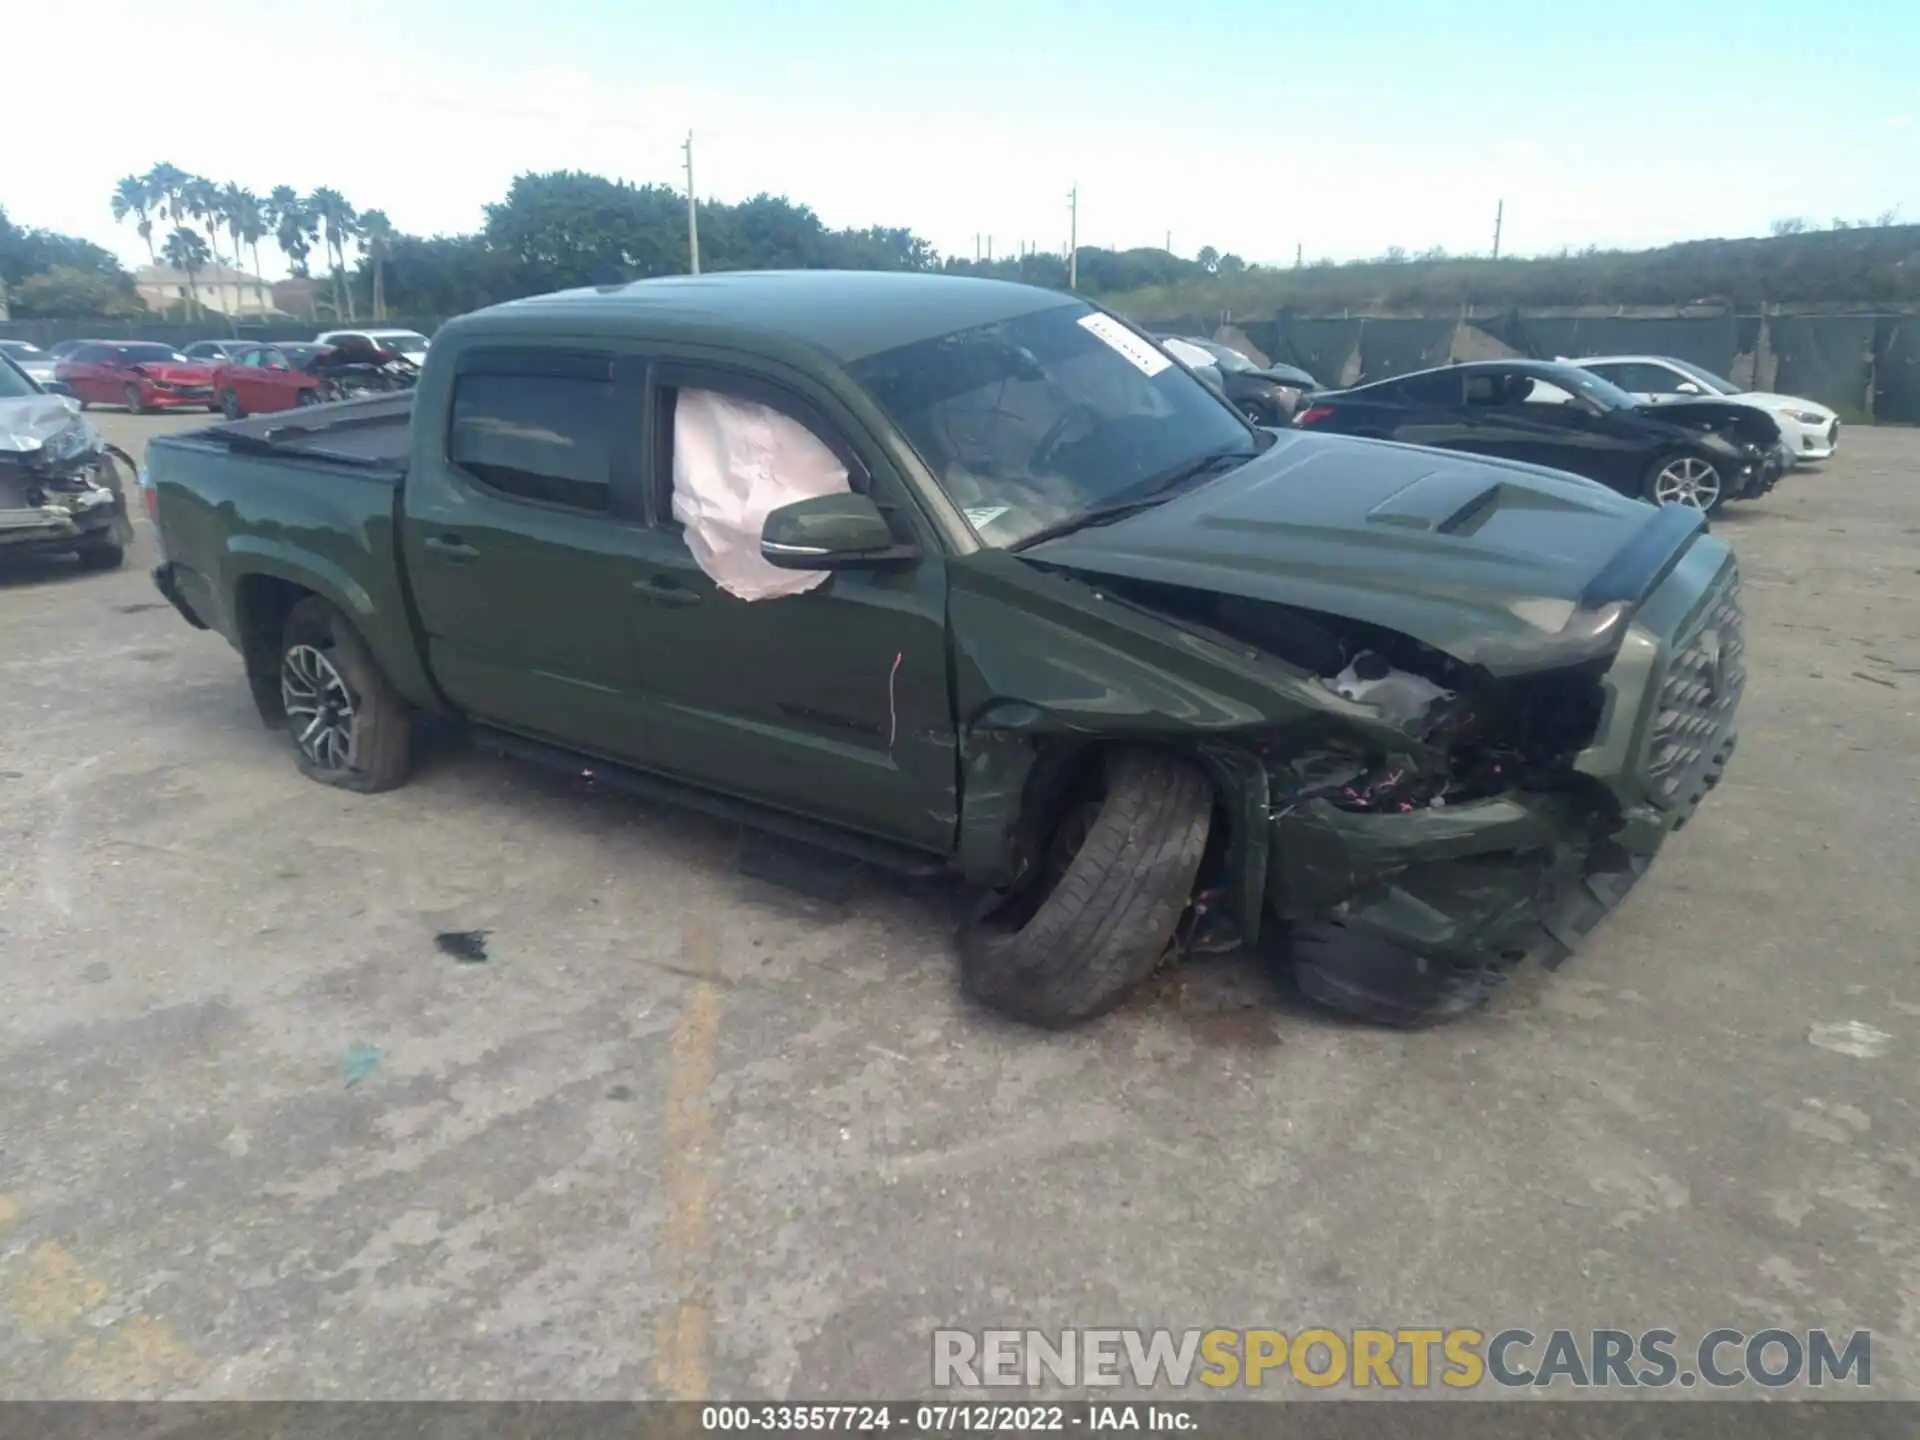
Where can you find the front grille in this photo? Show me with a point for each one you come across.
(1698, 697)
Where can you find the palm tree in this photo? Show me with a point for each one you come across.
(245, 223)
(337, 219)
(202, 200)
(165, 187)
(187, 253)
(377, 230)
(292, 224)
(131, 196)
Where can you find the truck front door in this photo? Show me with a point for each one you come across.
(833, 702)
(520, 550)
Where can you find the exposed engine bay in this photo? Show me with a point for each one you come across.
(1752, 430)
(1469, 734)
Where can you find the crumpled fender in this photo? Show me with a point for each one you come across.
(1046, 663)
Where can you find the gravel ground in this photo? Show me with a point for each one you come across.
(683, 1134)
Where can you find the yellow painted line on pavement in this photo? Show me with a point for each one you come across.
(50, 1292)
(683, 1340)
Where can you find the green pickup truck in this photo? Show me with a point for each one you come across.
(953, 575)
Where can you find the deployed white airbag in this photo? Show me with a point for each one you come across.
(733, 461)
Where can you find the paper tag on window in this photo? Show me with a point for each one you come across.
(1145, 356)
(982, 516)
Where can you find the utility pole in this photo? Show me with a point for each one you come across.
(1299, 254)
(1169, 242)
(989, 249)
(976, 247)
(1499, 217)
(693, 215)
(1073, 238)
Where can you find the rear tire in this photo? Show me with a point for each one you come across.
(349, 728)
(1106, 921)
(135, 406)
(230, 406)
(309, 397)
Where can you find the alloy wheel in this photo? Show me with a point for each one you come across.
(1687, 480)
(319, 706)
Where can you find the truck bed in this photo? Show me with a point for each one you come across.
(367, 434)
(299, 501)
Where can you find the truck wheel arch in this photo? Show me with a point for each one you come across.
(261, 604)
(1018, 772)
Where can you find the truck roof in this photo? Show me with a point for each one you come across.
(850, 314)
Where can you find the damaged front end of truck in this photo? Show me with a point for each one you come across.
(1416, 814)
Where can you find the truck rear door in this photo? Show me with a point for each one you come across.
(519, 554)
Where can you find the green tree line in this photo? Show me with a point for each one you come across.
(568, 228)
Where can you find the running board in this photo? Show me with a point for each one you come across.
(881, 854)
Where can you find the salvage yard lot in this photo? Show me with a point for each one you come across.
(681, 1133)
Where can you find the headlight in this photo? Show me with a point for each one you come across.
(76, 438)
(1805, 417)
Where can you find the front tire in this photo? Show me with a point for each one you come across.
(1685, 478)
(349, 728)
(1105, 921)
(135, 405)
(230, 406)
(101, 555)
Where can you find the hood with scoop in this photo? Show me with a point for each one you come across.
(1507, 566)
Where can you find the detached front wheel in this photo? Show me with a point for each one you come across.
(1121, 869)
(349, 727)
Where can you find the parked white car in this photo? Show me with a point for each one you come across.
(30, 358)
(1810, 429)
(410, 343)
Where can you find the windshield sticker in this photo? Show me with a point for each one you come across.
(1144, 355)
(982, 516)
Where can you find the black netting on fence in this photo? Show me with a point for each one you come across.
(1325, 349)
(1395, 347)
(1828, 358)
(1896, 369)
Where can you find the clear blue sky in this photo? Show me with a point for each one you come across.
(1343, 129)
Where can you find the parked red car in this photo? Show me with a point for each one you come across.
(138, 374)
(264, 378)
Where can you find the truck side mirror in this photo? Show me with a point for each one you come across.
(830, 532)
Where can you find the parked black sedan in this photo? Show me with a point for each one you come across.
(1693, 453)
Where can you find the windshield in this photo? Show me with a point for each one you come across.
(405, 341)
(1029, 422)
(1226, 357)
(150, 355)
(14, 385)
(1707, 378)
(19, 350)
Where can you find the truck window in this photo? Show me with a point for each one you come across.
(538, 437)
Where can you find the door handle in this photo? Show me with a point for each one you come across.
(451, 548)
(665, 590)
